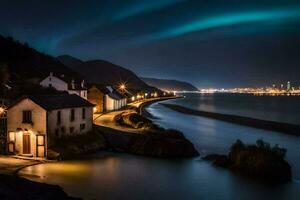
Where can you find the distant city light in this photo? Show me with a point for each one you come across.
(272, 90)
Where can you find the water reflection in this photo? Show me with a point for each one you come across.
(121, 176)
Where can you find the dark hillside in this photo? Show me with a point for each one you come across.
(26, 63)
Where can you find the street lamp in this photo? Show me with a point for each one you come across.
(122, 86)
(2, 110)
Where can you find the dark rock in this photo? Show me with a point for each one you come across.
(13, 187)
(261, 162)
(148, 145)
(218, 160)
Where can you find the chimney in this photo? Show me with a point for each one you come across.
(73, 84)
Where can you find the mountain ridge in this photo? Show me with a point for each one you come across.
(169, 84)
(104, 72)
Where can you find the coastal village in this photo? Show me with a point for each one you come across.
(33, 122)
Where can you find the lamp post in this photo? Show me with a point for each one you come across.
(122, 87)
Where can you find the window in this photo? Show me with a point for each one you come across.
(12, 136)
(58, 117)
(40, 140)
(83, 113)
(50, 85)
(63, 130)
(82, 127)
(27, 116)
(71, 129)
(57, 133)
(72, 115)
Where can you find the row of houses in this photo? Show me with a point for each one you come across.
(35, 122)
(105, 97)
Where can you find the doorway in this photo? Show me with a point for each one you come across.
(26, 143)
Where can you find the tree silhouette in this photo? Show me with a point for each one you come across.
(4, 74)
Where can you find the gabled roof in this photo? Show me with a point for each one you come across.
(116, 95)
(68, 80)
(53, 102)
(110, 91)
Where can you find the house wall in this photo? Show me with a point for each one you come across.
(96, 97)
(55, 82)
(109, 103)
(113, 104)
(18, 128)
(55, 130)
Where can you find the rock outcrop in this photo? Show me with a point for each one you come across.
(261, 162)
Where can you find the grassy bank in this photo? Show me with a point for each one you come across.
(246, 121)
(153, 140)
(71, 147)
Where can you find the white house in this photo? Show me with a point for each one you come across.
(113, 99)
(63, 83)
(35, 122)
(106, 98)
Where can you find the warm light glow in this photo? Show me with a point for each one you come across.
(95, 109)
(11, 136)
(132, 98)
(122, 86)
(40, 139)
(2, 110)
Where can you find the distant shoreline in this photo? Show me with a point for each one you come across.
(286, 128)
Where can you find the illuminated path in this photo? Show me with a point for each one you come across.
(107, 119)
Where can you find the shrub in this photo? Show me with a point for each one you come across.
(260, 160)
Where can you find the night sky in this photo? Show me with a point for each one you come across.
(225, 43)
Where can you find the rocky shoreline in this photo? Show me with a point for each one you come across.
(148, 145)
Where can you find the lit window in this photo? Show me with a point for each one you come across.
(11, 136)
(40, 140)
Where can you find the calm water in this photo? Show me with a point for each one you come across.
(115, 176)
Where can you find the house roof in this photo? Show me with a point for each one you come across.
(113, 93)
(69, 80)
(53, 102)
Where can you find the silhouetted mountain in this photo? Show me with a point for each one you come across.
(171, 85)
(69, 61)
(26, 63)
(103, 72)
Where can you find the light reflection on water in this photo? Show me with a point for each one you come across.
(121, 176)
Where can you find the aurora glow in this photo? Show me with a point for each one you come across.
(141, 7)
(227, 20)
(213, 43)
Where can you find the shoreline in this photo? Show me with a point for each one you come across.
(284, 128)
(11, 181)
(160, 143)
(142, 107)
